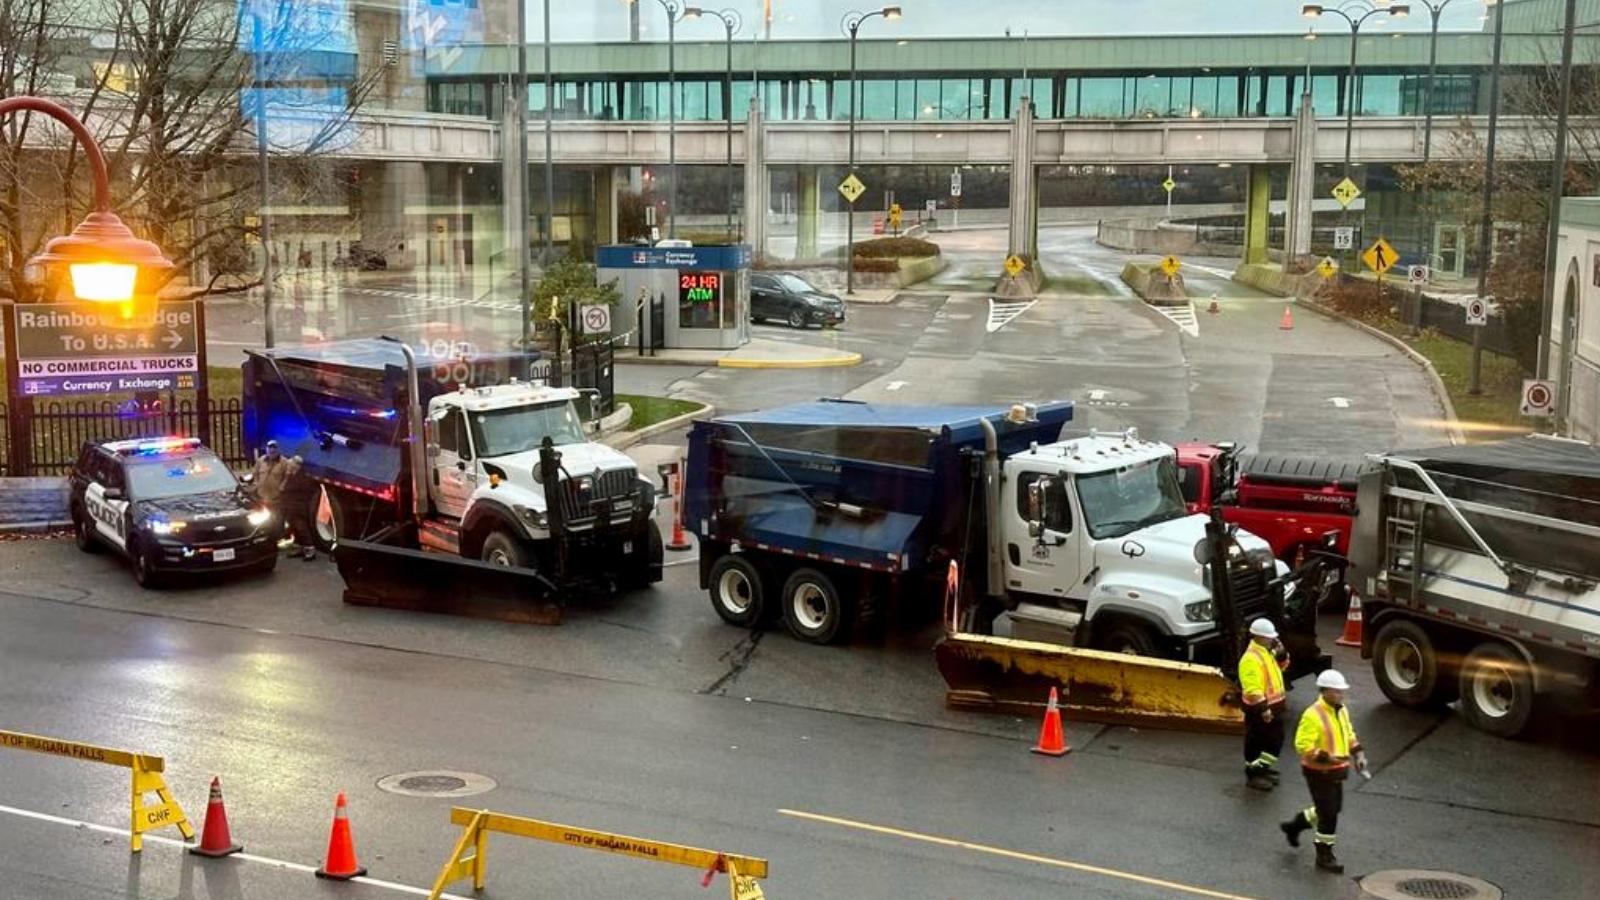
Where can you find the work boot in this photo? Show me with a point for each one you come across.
(1275, 775)
(308, 553)
(1293, 828)
(1258, 781)
(1326, 860)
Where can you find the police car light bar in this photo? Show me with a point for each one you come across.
(153, 447)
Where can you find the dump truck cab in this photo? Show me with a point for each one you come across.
(484, 479)
(1099, 549)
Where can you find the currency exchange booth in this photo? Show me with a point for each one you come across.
(681, 297)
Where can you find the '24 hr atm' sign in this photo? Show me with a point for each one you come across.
(87, 348)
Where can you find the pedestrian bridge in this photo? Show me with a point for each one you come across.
(398, 136)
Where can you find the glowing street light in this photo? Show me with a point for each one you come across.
(102, 256)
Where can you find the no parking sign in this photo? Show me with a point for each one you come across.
(1538, 397)
(596, 318)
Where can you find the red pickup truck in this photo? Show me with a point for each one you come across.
(1290, 502)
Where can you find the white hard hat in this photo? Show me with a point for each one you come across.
(1331, 679)
(1263, 628)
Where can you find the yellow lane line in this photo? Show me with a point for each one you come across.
(1177, 887)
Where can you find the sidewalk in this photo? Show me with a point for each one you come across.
(760, 353)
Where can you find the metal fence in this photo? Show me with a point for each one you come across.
(46, 438)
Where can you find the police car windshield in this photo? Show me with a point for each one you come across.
(498, 432)
(1123, 500)
(177, 476)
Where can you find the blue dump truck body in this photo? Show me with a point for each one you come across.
(883, 488)
(342, 407)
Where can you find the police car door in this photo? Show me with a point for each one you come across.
(106, 501)
(1048, 564)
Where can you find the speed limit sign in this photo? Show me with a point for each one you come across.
(1538, 397)
(596, 318)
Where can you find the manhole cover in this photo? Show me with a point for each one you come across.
(1419, 884)
(436, 784)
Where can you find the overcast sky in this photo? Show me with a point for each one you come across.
(577, 20)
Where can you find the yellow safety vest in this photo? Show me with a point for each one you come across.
(1323, 728)
(1260, 677)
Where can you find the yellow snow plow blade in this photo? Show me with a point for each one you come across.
(1006, 675)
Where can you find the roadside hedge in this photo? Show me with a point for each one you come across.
(894, 248)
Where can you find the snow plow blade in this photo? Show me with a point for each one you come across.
(381, 575)
(1006, 675)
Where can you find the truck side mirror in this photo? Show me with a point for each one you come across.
(1038, 507)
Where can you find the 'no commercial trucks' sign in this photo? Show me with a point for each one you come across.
(88, 348)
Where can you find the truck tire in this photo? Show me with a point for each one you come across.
(502, 548)
(738, 590)
(644, 563)
(1128, 636)
(813, 609)
(1407, 668)
(1496, 690)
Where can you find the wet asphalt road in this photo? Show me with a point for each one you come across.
(648, 716)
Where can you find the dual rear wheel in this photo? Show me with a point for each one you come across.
(744, 592)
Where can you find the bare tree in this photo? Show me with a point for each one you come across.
(164, 85)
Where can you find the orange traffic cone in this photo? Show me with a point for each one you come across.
(341, 863)
(1352, 624)
(214, 838)
(1287, 323)
(678, 541)
(1051, 741)
(1215, 308)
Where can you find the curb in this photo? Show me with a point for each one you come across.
(43, 527)
(1443, 395)
(830, 362)
(628, 438)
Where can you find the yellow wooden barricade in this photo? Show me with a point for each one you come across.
(146, 780)
(744, 872)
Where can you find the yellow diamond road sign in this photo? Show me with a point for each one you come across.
(1327, 268)
(1380, 257)
(1168, 185)
(852, 188)
(1170, 265)
(1346, 192)
(1015, 265)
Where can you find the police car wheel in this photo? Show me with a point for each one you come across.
(144, 574)
(83, 533)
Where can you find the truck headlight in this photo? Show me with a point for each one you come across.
(259, 517)
(164, 527)
(1199, 611)
(535, 517)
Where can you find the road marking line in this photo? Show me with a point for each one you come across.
(1340, 402)
(1002, 312)
(1015, 854)
(247, 857)
(894, 385)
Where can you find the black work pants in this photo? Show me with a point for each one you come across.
(297, 514)
(1327, 797)
(1263, 740)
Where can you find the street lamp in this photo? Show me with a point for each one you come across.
(731, 22)
(1354, 13)
(675, 13)
(851, 25)
(1486, 232)
(103, 258)
(1434, 11)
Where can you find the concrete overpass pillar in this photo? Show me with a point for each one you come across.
(1024, 237)
(513, 193)
(605, 205)
(808, 211)
(756, 185)
(1257, 212)
(1302, 184)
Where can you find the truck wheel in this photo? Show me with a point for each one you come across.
(737, 590)
(1496, 690)
(83, 533)
(644, 563)
(813, 610)
(502, 549)
(1406, 666)
(1129, 637)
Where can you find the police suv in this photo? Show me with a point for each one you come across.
(169, 505)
